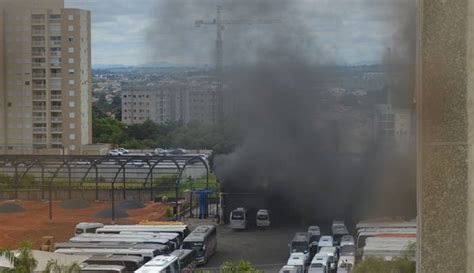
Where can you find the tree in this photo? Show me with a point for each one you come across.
(54, 267)
(22, 261)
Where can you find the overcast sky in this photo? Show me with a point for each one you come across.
(151, 31)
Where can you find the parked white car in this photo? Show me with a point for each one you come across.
(115, 153)
(122, 150)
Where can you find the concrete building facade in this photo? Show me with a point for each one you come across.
(45, 78)
(169, 101)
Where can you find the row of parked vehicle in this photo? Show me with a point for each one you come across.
(141, 248)
(242, 218)
(315, 253)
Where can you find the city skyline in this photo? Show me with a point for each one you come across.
(148, 31)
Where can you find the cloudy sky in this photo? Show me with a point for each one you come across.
(151, 31)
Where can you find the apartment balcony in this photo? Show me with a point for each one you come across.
(39, 108)
(55, 53)
(57, 141)
(39, 140)
(38, 32)
(57, 130)
(55, 64)
(39, 97)
(56, 119)
(38, 65)
(56, 97)
(55, 75)
(39, 86)
(55, 43)
(56, 108)
(39, 130)
(38, 53)
(54, 20)
(38, 21)
(40, 43)
(39, 119)
(39, 75)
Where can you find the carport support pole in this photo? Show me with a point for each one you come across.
(42, 183)
(69, 182)
(152, 194)
(96, 185)
(16, 182)
(176, 201)
(113, 203)
(124, 185)
(51, 200)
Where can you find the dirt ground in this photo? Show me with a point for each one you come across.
(33, 223)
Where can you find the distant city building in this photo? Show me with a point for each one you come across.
(190, 99)
(45, 77)
(392, 123)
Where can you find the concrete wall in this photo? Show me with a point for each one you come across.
(445, 190)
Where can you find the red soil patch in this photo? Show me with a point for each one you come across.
(33, 223)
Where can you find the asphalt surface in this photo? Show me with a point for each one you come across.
(266, 249)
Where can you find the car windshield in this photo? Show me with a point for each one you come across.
(237, 215)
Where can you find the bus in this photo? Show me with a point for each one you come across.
(204, 241)
(239, 218)
(186, 259)
(173, 237)
(114, 245)
(182, 230)
(86, 227)
(131, 263)
(148, 237)
(146, 254)
(161, 264)
(103, 269)
(382, 232)
(108, 238)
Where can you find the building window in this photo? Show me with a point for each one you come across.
(72, 82)
(71, 93)
(72, 115)
(72, 137)
(71, 71)
(71, 50)
(9, 104)
(70, 28)
(70, 39)
(72, 147)
(70, 17)
(71, 60)
(27, 83)
(72, 104)
(72, 125)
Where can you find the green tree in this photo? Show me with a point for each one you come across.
(240, 267)
(54, 267)
(22, 261)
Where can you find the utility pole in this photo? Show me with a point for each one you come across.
(220, 26)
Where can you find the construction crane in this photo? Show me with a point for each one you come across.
(220, 26)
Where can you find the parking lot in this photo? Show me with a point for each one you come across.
(266, 249)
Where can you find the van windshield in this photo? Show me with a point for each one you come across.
(237, 215)
(193, 245)
(262, 217)
(299, 247)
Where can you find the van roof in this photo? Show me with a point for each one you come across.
(320, 258)
(296, 259)
(111, 257)
(87, 225)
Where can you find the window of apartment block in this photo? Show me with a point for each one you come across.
(70, 17)
(70, 28)
(71, 60)
(71, 93)
(72, 125)
(72, 82)
(72, 115)
(70, 39)
(72, 104)
(71, 71)
(72, 137)
(71, 50)
(72, 147)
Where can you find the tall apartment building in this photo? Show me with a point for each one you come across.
(45, 77)
(191, 100)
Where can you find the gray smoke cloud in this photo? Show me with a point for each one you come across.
(311, 152)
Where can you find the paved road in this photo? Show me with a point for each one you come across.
(265, 249)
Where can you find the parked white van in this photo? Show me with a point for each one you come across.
(320, 264)
(325, 241)
(332, 254)
(298, 260)
(289, 269)
(263, 218)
